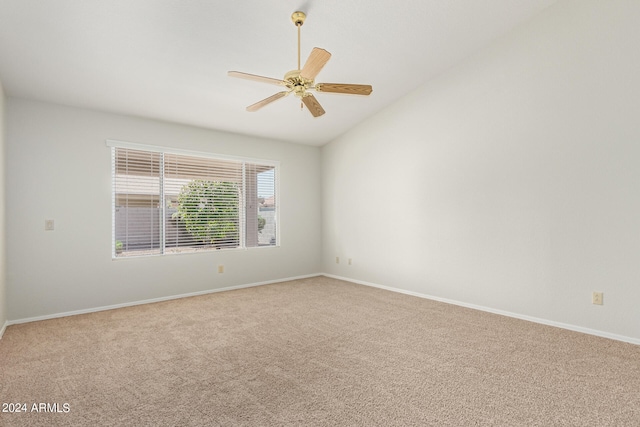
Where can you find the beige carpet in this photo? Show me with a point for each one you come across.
(313, 352)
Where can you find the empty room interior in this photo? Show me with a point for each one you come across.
(320, 212)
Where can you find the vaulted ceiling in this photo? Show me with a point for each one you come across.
(168, 59)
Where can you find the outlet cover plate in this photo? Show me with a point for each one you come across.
(597, 298)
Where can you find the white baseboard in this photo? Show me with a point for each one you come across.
(4, 328)
(495, 311)
(360, 282)
(150, 301)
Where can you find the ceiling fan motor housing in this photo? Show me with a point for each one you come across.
(297, 83)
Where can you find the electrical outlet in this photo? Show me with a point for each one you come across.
(221, 269)
(349, 261)
(337, 260)
(48, 224)
(597, 298)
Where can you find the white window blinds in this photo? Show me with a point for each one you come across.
(166, 203)
(137, 208)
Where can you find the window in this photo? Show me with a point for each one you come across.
(167, 202)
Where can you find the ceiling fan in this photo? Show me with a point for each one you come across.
(301, 81)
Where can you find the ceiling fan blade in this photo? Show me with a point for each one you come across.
(262, 79)
(313, 105)
(344, 88)
(317, 59)
(258, 105)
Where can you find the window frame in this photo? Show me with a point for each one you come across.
(113, 144)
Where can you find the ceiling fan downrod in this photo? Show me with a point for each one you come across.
(298, 19)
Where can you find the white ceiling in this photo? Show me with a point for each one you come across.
(168, 59)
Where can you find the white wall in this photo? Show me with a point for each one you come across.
(3, 276)
(511, 182)
(58, 167)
